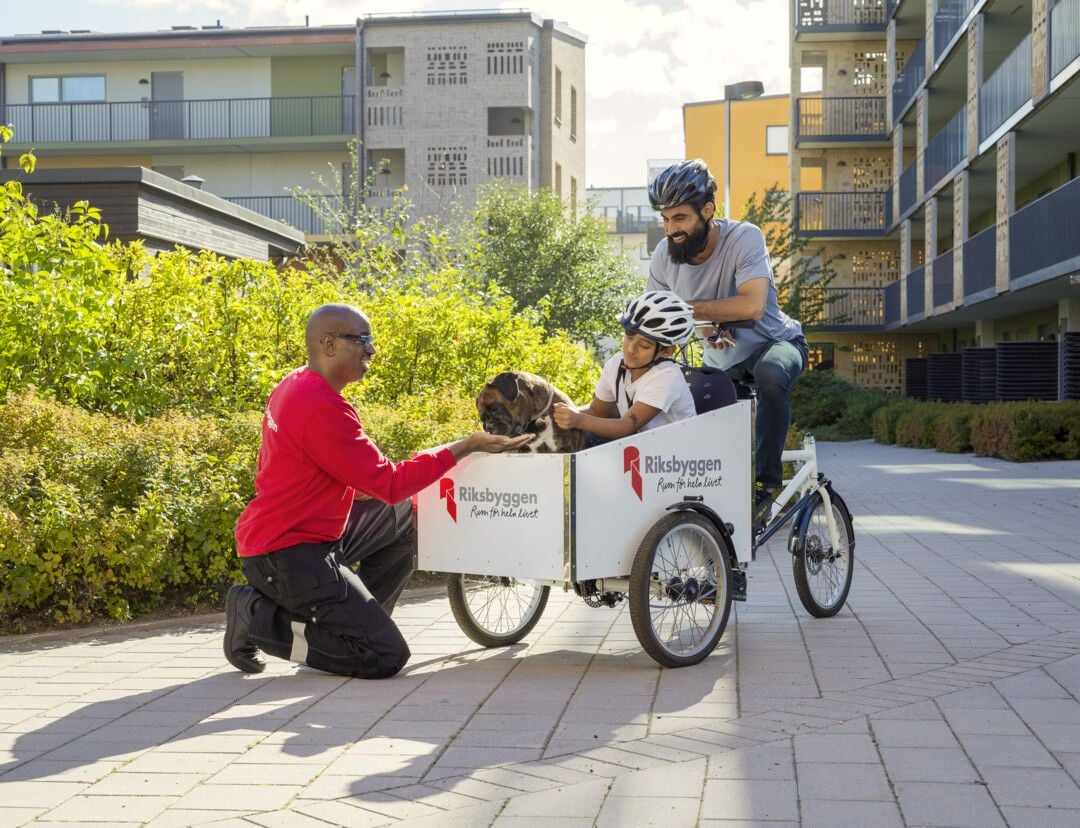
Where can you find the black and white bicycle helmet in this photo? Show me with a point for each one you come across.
(661, 316)
(682, 183)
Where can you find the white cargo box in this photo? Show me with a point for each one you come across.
(573, 517)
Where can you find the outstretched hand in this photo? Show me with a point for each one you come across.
(488, 443)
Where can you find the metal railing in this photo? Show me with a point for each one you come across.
(1006, 90)
(908, 80)
(191, 120)
(854, 213)
(980, 261)
(1046, 232)
(841, 119)
(825, 15)
(947, 20)
(1064, 35)
(916, 292)
(943, 279)
(946, 150)
(907, 188)
(848, 308)
(290, 210)
(892, 302)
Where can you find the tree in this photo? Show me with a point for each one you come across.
(542, 254)
(802, 273)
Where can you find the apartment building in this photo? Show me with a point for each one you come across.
(441, 103)
(940, 136)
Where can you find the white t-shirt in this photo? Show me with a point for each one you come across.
(662, 386)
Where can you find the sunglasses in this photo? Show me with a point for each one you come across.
(363, 339)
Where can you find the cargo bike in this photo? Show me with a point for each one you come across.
(661, 519)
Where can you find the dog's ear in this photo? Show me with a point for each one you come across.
(506, 384)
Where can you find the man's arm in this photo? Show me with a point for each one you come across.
(747, 303)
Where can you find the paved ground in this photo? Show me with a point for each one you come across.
(946, 693)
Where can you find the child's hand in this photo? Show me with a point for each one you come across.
(565, 416)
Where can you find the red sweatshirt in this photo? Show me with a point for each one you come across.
(314, 456)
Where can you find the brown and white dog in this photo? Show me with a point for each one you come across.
(515, 402)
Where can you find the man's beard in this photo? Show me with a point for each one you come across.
(683, 252)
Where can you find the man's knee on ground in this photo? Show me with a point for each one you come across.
(385, 664)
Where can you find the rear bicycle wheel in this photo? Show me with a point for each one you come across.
(823, 572)
(495, 611)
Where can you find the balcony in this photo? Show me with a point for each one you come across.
(943, 279)
(1064, 35)
(908, 81)
(980, 263)
(833, 19)
(291, 211)
(892, 304)
(823, 121)
(916, 294)
(907, 190)
(384, 110)
(842, 215)
(947, 21)
(193, 120)
(1006, 90)
(1044, 237)
(946, 150)
(851, 309)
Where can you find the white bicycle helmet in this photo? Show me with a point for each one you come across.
(661, 316)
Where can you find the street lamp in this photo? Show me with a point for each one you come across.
(741, 91)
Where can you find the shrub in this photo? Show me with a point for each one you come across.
(885, 418)
(831, 408)
(952, 428)
(1024, 431)
(915, 426)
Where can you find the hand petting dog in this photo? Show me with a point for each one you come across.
(516, 402)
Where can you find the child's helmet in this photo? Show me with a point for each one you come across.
(682, 183)
(661, 316)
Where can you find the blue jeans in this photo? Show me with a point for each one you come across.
(773, 369)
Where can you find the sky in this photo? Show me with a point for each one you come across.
(644, 58)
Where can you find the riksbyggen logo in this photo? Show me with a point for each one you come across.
(670, 473)
(484, 502)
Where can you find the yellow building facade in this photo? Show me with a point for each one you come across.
(759, 144)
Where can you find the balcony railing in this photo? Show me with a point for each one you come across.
(841, 119)
(848, 309)
(947, 20)
(908, 80)
(194, 120)
(1045, 235)
(892, 303)
(916, 293)
(946, 150)
(842, 214)
(980, 261)
(840, 15)
(1006, 90)
(1064, 35)
(907, 188)
(943, 279)
(292, 211)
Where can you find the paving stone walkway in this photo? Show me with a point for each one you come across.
(945, 693)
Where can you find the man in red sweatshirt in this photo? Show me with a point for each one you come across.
(326, 499)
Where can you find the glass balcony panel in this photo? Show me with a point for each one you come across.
(946, 150)
(1046, 233)
(916, 293)
(980, 261)
(892, 303)
(908, 80)
(1006, 90)
(943, 279)
(1064, 35)
(907, 189)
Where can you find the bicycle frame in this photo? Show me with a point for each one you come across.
(806, 480)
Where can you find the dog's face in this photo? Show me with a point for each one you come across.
(515, 402)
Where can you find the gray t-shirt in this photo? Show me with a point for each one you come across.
(740, 255)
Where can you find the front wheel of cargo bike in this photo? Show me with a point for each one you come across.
(495, 611)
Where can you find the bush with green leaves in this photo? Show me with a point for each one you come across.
(1023, 431)
(832, 408)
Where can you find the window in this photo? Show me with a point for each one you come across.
(776, 140)
(55, 89)
(573, 196)
(506, 58)
(811, 78)
(558, 180)
(558, 95)
(447, 65)
(573, 113)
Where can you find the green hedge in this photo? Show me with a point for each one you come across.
(101, 517)
(831, 408)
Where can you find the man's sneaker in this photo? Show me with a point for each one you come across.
(763, 501)
(240, 651)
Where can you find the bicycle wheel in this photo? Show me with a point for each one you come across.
(822, 574)
(495, 611)
(680, 589)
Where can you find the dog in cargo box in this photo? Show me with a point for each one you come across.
(516, 402)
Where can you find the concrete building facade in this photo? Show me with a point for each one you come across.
(940, 139)
(441, 103)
